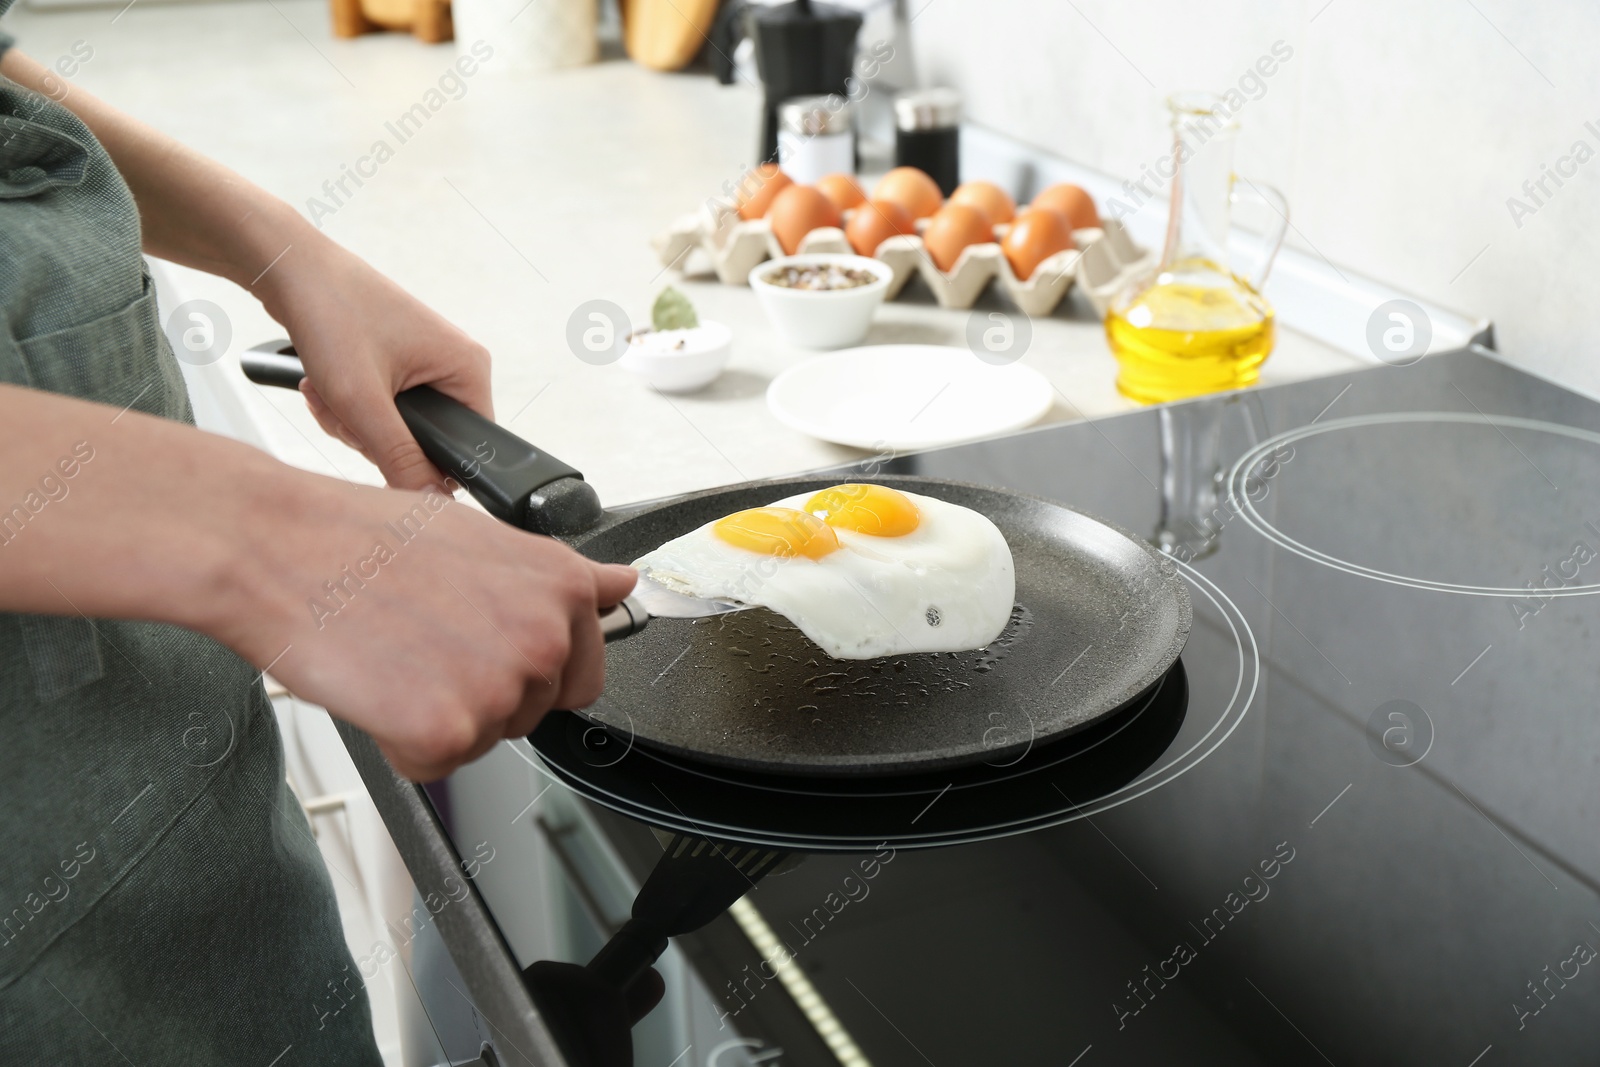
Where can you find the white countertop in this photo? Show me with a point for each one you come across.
(515, 203)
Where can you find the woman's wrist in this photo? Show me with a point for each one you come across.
(270, 249)
(221, 571)
(289, 548)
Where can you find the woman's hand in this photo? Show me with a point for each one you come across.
(431, 626)
(363, 339)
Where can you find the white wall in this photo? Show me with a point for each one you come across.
(1397, 130)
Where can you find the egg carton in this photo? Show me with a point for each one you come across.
(1105, 260)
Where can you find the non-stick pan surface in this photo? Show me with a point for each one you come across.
(1099, 617)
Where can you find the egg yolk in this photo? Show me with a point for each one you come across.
(782, 532)
(868, 509)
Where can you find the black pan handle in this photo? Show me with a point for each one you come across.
(514, 481)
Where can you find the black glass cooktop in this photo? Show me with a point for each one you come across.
(1392, 859)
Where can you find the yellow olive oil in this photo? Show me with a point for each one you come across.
(1176, 339)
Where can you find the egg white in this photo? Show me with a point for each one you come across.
(946, 586)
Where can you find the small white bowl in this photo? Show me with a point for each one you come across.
(679, 361)
(821, 318)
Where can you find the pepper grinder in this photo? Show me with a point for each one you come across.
(928, 134)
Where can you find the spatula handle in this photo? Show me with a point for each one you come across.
(623, 620)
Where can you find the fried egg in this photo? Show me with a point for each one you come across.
(863, 570)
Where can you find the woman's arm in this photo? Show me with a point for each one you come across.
(439, 643)
(361, 337)
(193, 210)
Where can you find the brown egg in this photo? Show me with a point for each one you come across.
(843, 190)
(875, 222)
(954, 228)
(912, 190)
(1072, 202)
(797, 211)
(988, 198)
(758, 188)
(1036, 235)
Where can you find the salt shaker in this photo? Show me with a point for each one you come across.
(815, 138)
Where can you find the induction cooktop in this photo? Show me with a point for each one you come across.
(1393, 858)
(1391, 855)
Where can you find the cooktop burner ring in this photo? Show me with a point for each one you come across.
(1228, 721)
(1240, 500)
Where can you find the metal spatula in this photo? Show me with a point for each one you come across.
(650, 599)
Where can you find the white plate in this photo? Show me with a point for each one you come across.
(906, 397)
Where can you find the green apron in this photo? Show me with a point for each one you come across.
(162, 900)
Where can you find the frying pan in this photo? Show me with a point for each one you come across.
(1100, 617)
